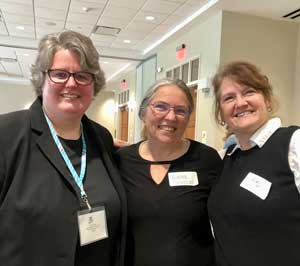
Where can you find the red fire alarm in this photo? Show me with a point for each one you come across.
(181, 52)
(123, 84)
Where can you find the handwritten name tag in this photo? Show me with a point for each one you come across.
(257, 185)
(183, 179)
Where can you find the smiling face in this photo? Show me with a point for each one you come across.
(67, 100)
(169, 127)
(243, 109)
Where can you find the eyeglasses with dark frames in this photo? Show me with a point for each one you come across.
(163, 108)
(62, 76)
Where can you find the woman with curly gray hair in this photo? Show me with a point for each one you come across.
(61, 199)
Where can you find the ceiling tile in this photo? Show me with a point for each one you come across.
(7, 52)
(23, 2)
(25, 56)
(134, 4)
(16, 9)
(82, 18)
(141, 26)
(55, 4)
(132, 34)
(86, 29)
(102, 44)
(93, 9)
(50, 13)
(44, 23)
(12, 68)
(2, 70)
(91, 1)
(173, 20)
(18, 19)
(158, 17)
(119, 12)
(3, 30)
(25, 70)
(102, 38)
(160, 6)
(113, 22)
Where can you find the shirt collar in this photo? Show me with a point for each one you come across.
(261, 136)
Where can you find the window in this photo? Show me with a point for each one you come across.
(169, 74)
(176, 72)
(194, 69)
(185, 72)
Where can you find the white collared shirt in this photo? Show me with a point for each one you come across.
(261, 136)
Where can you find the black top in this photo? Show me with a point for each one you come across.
(251, 231)
(169, 226)
(103, 250)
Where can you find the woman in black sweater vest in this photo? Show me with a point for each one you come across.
(255, 206)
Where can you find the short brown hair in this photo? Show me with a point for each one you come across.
(243, 73)
(73, 41)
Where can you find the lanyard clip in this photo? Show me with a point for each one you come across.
(85, 200)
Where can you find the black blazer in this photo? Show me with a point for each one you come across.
(39, 199)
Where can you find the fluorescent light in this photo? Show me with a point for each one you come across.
(149, 18)
(126, 41)
(181, 25)
(118, 72)
(105, 62)
(20, 28)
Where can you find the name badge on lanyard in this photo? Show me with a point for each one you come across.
(92, 221)
(92, 225)
(183, 179)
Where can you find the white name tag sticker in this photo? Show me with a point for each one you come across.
(257, 185)
(183, 179)
(92, 225)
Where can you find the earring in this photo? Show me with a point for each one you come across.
(269, 109)
(222, 123)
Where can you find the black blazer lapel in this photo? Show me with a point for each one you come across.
(47, 145)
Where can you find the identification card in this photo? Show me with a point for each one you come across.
(257, 185)
(92, 225)
(183, 179)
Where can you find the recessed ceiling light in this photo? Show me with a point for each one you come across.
(149, 18)
(126, 41)
(50, 23)
(20, 28)
(105, 62)
(26, 54)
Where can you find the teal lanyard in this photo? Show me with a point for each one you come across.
(77, 179)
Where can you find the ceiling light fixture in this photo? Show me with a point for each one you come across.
(20, 28)
(181, 25)
(50, 23)
(126, 41)
(149, 18)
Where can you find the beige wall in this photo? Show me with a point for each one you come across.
(102, 110)
(115, 85)
(202, 39)
(269, 44)
(15, 97)
(296, 92)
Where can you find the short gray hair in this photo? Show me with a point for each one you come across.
(160, 83)
(69, 40)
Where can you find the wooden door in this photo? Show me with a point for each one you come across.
(190, 130)
(124, 123)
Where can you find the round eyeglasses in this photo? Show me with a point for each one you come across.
(162, 108)
(62, 76)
